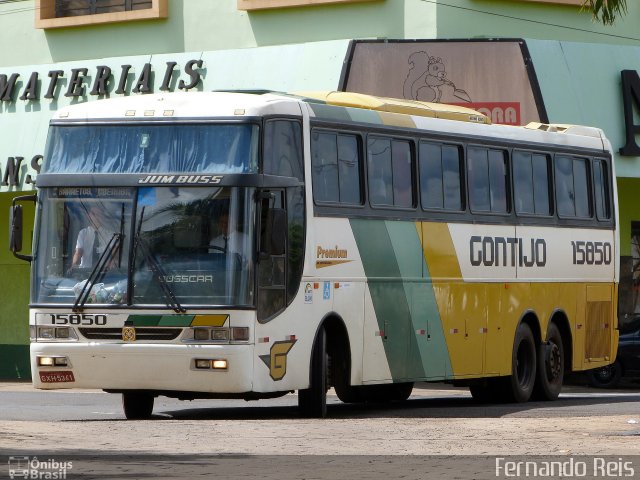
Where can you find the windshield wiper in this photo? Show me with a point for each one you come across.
(98, 271)
(158, 272)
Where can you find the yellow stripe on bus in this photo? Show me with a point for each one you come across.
(217, 320)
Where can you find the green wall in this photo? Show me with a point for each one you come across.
(205, 25)
(14, 298)
(517, 19)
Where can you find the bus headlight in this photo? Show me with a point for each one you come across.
(53, 361)
(217, 334)
(52, 334)
(240, 334)
(201, 334)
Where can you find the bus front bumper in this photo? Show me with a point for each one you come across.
(143, 367)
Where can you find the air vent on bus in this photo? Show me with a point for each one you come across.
(141, 333)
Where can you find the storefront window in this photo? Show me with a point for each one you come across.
(69, 13)
(265, 4)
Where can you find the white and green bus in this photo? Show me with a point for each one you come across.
(252, 244)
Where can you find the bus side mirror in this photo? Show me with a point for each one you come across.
(15, 230)
(16, 227)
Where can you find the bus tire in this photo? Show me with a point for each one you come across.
(550, 373)
(312, 401)
(399, 392)
(518, 387)
(606, 377)
(137, 405)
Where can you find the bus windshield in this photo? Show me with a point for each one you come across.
(149, 148)
(148, 246)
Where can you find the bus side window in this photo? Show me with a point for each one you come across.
(488, 180)
(336, 168)
(531, 183)
(283, 149)
(601, 180)
(440, 176)
(478, 165)
(324, 166)
(402, 166)
(379, 171)
(390, 171)
(349, 169)
(572, 187)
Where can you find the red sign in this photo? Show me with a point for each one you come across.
(56, 377)
(506, 113)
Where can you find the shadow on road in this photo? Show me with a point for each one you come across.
(568, 405)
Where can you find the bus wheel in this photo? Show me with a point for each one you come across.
(312, 401)
(518, 387)
(398, 392)
(137, 405)
(550, 366)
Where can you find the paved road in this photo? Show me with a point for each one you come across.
(22, 402)
(268, 439)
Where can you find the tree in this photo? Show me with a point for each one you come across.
(605, 11)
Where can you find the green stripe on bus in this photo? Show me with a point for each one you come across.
(331, 112)
(403, 299)
(176, 320)
(389, 297)
(364, 116)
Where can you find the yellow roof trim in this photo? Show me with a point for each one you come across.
(396, 105)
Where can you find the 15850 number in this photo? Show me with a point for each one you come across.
(591, 253)
(77, 319)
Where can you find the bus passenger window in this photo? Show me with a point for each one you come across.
(602, 191)
(324, 166)
(541, 174)
(478, 165)
(498, 181)
(440, 176)
(379, 168)
(523, 182)
(451, 162)
(431, 176)
(402, 174)
(581, 182)
(572, 187)
(564, 187)
(349, 169)
(488, 180)
(531, 183)
(335, 165)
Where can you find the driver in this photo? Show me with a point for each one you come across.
(229, 239)
(92, 240)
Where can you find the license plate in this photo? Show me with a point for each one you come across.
(56, 377)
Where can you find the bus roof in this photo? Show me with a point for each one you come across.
(340, 107)
(396, 105)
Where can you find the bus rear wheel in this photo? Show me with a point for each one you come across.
(312, 401)
(518, 387)
(137, 405)
(550, 366)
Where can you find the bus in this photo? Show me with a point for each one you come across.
(253, 244)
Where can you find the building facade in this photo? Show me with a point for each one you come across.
(516, 60)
